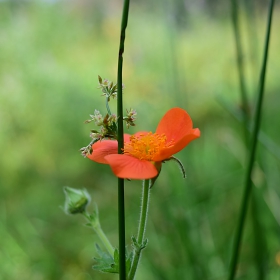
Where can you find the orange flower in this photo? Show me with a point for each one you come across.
(145, 151)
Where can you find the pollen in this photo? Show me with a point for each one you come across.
(146, 146)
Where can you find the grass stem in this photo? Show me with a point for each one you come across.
(240, 65)
(253, 146)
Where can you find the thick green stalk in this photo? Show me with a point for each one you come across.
(140, 244)
(253, 146)
(121, 208)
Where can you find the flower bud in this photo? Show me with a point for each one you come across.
(97, 118)
(76, 200)
(85, 151)
(112, 119)
(130, 118)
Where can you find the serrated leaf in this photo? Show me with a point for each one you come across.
(116, 256)
(105, 262)
(128, 263)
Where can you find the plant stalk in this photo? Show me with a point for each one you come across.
(121, 201)
(253, 146)
(140, 243)
(240, 67)
(95, 224)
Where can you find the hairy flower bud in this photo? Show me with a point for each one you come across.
(76, 200)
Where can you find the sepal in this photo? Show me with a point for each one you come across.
(158, 167)
(76, 200)
(180, 164)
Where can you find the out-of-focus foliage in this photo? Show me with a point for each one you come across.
(50, 55)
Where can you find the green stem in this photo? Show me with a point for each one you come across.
(121, 202)
(107, 106)
(267, 142)
(140, 243)
(248, 182)
(121, 220)
(240, 67)
(97, 228)
(105, 240)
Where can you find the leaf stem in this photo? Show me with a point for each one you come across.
(121, 201)
(107, 106)
(95, 224)
(139, 243)
(253, 146)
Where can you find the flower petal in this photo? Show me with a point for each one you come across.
(140, 133)
(126, 137)
(103, 148)
(125, 166)
(137, 134)
(178, 146)
(175, 124)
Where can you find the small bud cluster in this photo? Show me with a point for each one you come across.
(108, 129)
(105, 122)
(96, 118)
(130, 118)
(108, 124)
(87, 150)
(108, 88)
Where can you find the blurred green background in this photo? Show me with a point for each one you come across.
(177, 54)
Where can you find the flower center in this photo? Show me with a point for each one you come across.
(146, 146)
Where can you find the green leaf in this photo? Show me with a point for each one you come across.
(105, 262)
(128, 263)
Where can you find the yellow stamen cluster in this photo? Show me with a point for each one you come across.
(146, 146)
